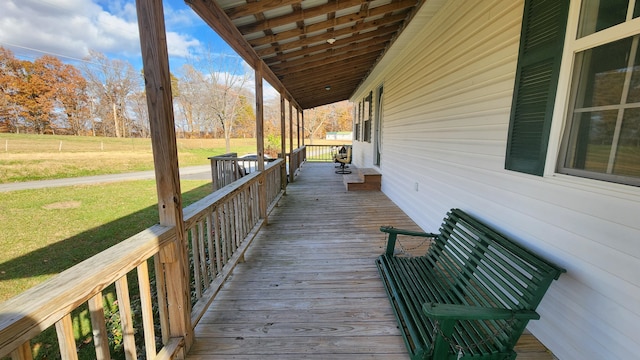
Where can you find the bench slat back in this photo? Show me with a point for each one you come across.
(483, 268)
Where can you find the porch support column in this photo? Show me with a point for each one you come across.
(298, 125)
(283, 141)
(292, 162)
(165, 156)
(302, 115)
(262, 188)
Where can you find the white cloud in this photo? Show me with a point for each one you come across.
(71, 27)
(180, 45)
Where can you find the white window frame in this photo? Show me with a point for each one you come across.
(563, 109)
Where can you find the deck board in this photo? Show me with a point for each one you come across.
(309, 287)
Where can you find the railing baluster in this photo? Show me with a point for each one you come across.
(147, 310)
(238, 218)
(99, 327)
(226, 250)
(161, 290)
(211, 250)
(23, 352)
(195, 255)
(216, 238)
(126, 320)
(229, 228)
(203, 257)
(66, 341)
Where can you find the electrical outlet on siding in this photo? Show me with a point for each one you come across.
(416, 186)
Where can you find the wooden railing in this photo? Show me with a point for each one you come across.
(221, 226)
(296, 159)
(323, 153)
(228, 168)
(224, 170)
(219, 229)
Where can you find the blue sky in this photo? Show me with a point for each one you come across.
(69, 28)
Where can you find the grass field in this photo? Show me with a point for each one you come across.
(26, 157)
(45, 231)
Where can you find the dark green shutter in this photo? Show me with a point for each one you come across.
(541, 41)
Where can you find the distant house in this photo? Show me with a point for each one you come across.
(340, 135)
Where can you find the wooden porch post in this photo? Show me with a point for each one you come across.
(283, 140)
(298, 125)
(292, 166)
(302, 112)
(165, 156)
(262, 189)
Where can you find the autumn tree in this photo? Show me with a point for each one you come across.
(36, 84)
(227, 80)
(9, 67)
(191, 101)
(245, 125)
(71, 96)
(110, 83)
(42, 95)
(333, 117)
(140, 126)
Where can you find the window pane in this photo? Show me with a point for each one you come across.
(592, 138)
(636, 9)
(603, 72)
(634, 89)
(627, 160)
(598, 15)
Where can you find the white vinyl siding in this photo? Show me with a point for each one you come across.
(448, 83)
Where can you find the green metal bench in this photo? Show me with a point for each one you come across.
(470, 296)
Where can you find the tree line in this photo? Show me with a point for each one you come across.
(105, 97)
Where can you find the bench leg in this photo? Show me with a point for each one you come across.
(440, 345)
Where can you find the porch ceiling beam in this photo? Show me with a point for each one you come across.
(299, 15)
(335, 88)
(320, 83)
(309, 63)
(314, 101)
(215, 17)
(314, 94)
(253, 8)
(327, 26)
(286, 19)
(326, 47)
(322, 38)
(357, 28)
(339, 69)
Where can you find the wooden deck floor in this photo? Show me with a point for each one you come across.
(309, 288)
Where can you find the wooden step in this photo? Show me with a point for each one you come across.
(363, 179)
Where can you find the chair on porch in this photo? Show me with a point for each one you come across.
(344, 159)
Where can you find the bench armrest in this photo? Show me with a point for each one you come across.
(465, 312)
(393, 234)
(447, 315)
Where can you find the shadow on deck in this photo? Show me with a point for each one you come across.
(309, 287)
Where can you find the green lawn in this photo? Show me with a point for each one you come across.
(25, 157)
(45, 231)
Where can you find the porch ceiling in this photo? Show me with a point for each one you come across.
(309, 45)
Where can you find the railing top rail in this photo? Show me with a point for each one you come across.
(239, 159)
(224, 156)
(191, 212)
